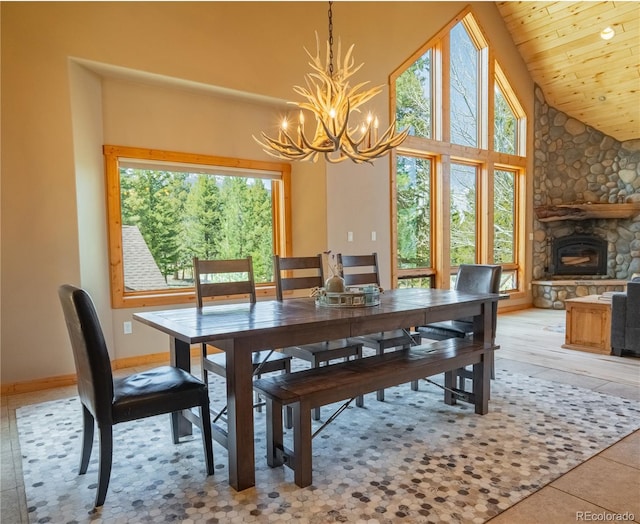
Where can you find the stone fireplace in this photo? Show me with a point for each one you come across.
(577, 169)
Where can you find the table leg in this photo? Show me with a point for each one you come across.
(180, 357)
(240, 416)
(484, 332)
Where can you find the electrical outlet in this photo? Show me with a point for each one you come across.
(374, 236)
(128, 328)
(349, 236)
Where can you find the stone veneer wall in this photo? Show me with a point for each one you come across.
(550, 294)
(575, 163)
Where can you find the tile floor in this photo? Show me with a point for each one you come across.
(597, 490)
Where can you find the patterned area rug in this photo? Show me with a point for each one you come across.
(409, 459)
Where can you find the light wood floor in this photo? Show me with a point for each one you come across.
(530, 341)
(535, 336)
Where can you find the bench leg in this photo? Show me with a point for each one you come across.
(288, 417)
(274, 433)
(449, 384)
(302, 444)
(380, 392)
(360, 399)
(414, 385)
(482, 385)
(316, 364)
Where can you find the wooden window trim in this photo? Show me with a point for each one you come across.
(281, 221)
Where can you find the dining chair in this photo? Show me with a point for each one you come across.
(232, 279)
(363, 270)
(107, 401)
(471, 278)
(307, 273)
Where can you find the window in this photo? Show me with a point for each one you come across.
(165, 208)
(504, 195)
(509, 119)
(414, 100)
(458, 180)
(462, 224)
(413, 185)
(464, 87)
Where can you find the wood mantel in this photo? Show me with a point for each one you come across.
(586, 211)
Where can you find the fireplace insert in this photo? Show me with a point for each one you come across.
(579, 255)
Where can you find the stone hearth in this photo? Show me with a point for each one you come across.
(551, 294)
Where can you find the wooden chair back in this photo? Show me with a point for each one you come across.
(292, 273)
(219, 278)
(361, 270)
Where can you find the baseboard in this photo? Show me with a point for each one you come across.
(506, 308)
(59, 381)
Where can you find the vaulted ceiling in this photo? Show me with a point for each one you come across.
(593, 80)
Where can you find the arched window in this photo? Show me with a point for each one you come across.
(458, 179)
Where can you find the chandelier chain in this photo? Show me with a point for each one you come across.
(330, 40)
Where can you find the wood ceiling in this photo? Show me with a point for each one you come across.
(593, 80)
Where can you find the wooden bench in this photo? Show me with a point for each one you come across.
(311, 388)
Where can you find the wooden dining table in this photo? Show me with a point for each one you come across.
(239, 329)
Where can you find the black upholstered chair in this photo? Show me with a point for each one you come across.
(362, 270)
(108, 401)
(472, 278)
(232, 278)
(300, 273)
(625, 320)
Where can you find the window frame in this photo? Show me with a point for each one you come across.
(443, 152)
(281, 205)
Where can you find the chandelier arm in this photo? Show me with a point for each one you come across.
(289, 148)
(396, 138)
(317, 148)
(280, 152)
(358, 159)
(355, 144)
(333, 135)
(287, 154)
(357, 99)
(330, 136)
(380, 147)
(276, 152)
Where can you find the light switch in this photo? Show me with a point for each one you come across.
(349, 236)
(374, 236)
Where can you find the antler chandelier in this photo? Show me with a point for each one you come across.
(332, 100)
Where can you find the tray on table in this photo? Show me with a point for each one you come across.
(352, 297)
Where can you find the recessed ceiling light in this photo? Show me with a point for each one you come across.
(602, 98)
(607, 33)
